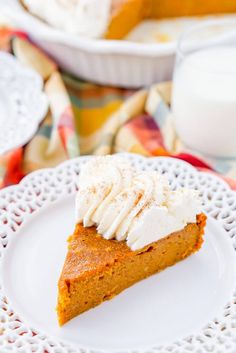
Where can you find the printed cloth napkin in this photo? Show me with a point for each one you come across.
(84, 118)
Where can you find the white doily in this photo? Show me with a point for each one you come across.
(23, 105)
(48, 186)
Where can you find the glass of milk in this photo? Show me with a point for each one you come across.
(204, 88)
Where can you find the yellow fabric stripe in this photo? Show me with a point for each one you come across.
(89, 121)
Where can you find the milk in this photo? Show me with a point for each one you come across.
(204, 101)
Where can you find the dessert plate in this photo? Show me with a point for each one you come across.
(21, 110)
(190, 307)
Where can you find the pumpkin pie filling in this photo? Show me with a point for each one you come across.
(97, 269)
(114, 19)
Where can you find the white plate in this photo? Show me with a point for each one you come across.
(23, 105)
(189, 307)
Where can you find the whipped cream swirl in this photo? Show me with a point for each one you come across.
(126, 204)
(82, 17)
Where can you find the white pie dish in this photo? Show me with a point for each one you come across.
(189, 307)
(111, 62)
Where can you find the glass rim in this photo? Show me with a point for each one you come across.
(197, 27)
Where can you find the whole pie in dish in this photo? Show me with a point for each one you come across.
(114, 19)
(130, 225)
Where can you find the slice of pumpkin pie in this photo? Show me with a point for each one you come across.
(130, 225)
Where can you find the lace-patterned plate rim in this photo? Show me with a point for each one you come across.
(21, 110)
(47, 186)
